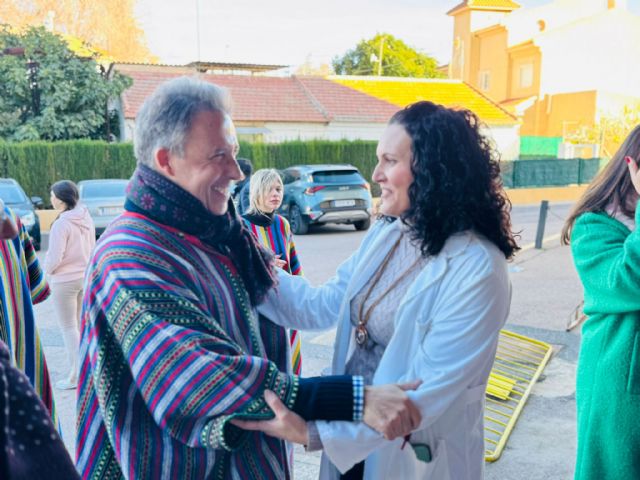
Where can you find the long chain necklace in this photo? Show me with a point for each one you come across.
(361, 332)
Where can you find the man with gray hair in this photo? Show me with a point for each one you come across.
(171, 348)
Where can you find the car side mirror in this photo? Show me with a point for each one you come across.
(37, 202)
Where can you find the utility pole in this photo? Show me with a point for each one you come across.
(380, 55)
(198, 27)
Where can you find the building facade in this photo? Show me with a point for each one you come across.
(559, 67)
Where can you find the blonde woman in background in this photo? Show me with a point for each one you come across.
(71, 241)
(273, 231)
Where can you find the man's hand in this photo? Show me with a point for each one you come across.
(286, 425)
(388, 410)
(8, 229)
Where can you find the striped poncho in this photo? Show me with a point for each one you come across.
(166, 320)
(273, 231)
(24, 284)
(172, 348)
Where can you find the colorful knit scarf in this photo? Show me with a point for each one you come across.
(155, 196)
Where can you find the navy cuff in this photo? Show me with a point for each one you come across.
(325, 398)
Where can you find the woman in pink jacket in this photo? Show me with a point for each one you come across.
(71, 240)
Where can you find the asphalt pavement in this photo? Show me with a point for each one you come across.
(546, 292)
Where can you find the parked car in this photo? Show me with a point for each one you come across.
(14, 197)
(105, 200)
(319, 194)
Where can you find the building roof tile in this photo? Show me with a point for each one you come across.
(263, 98)
(450, 93)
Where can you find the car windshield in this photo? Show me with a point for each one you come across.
(107, 189)
(337, 176)
(11, 194)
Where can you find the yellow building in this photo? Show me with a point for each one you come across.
(560, 67)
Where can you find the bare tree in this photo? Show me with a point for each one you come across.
(110, 26)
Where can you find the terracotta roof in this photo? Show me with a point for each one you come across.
(275, 99)
(345, 104)
(501, 5)
(450, 93)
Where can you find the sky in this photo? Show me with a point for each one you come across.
(292, 32)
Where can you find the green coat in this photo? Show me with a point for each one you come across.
(607, 257)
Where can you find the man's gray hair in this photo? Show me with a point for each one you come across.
(166, 117)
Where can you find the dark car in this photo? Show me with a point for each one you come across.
(14, 197)
(319, 194)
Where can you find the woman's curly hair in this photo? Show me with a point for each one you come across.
(457, 184)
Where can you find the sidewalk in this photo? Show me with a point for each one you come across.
(542, 446)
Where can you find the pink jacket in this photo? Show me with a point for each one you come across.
(71, 240)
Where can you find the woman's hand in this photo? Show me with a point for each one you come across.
(286, 424)
(279, 262)
(633, 172)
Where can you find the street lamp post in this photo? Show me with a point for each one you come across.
(32, 69)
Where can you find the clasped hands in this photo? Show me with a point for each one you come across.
(387, 409)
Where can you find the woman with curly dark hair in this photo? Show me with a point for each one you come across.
(423, 298)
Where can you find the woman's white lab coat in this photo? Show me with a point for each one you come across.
(446, 333)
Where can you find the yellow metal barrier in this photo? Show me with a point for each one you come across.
(519, 362)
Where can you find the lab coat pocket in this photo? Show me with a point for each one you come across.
(404, 463)
(475, 411)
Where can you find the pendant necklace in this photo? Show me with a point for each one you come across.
(361, 332)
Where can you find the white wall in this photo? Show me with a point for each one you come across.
(522, 24)
(129, 128)
(506, 140)
(602, 54)
(334, 131)
(482, 19)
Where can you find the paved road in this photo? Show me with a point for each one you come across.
(327, 246)
(545, 292)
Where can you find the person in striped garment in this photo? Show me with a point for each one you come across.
(273, 231)
(23, 284)
(172, 350)
(31, 445)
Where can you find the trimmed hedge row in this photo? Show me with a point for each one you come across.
(36, 165)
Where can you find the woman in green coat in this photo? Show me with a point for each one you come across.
(606, 250)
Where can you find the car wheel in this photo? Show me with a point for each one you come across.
(299, 224)
(362, 224)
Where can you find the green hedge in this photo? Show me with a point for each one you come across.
(360, 153)
(36, 165)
